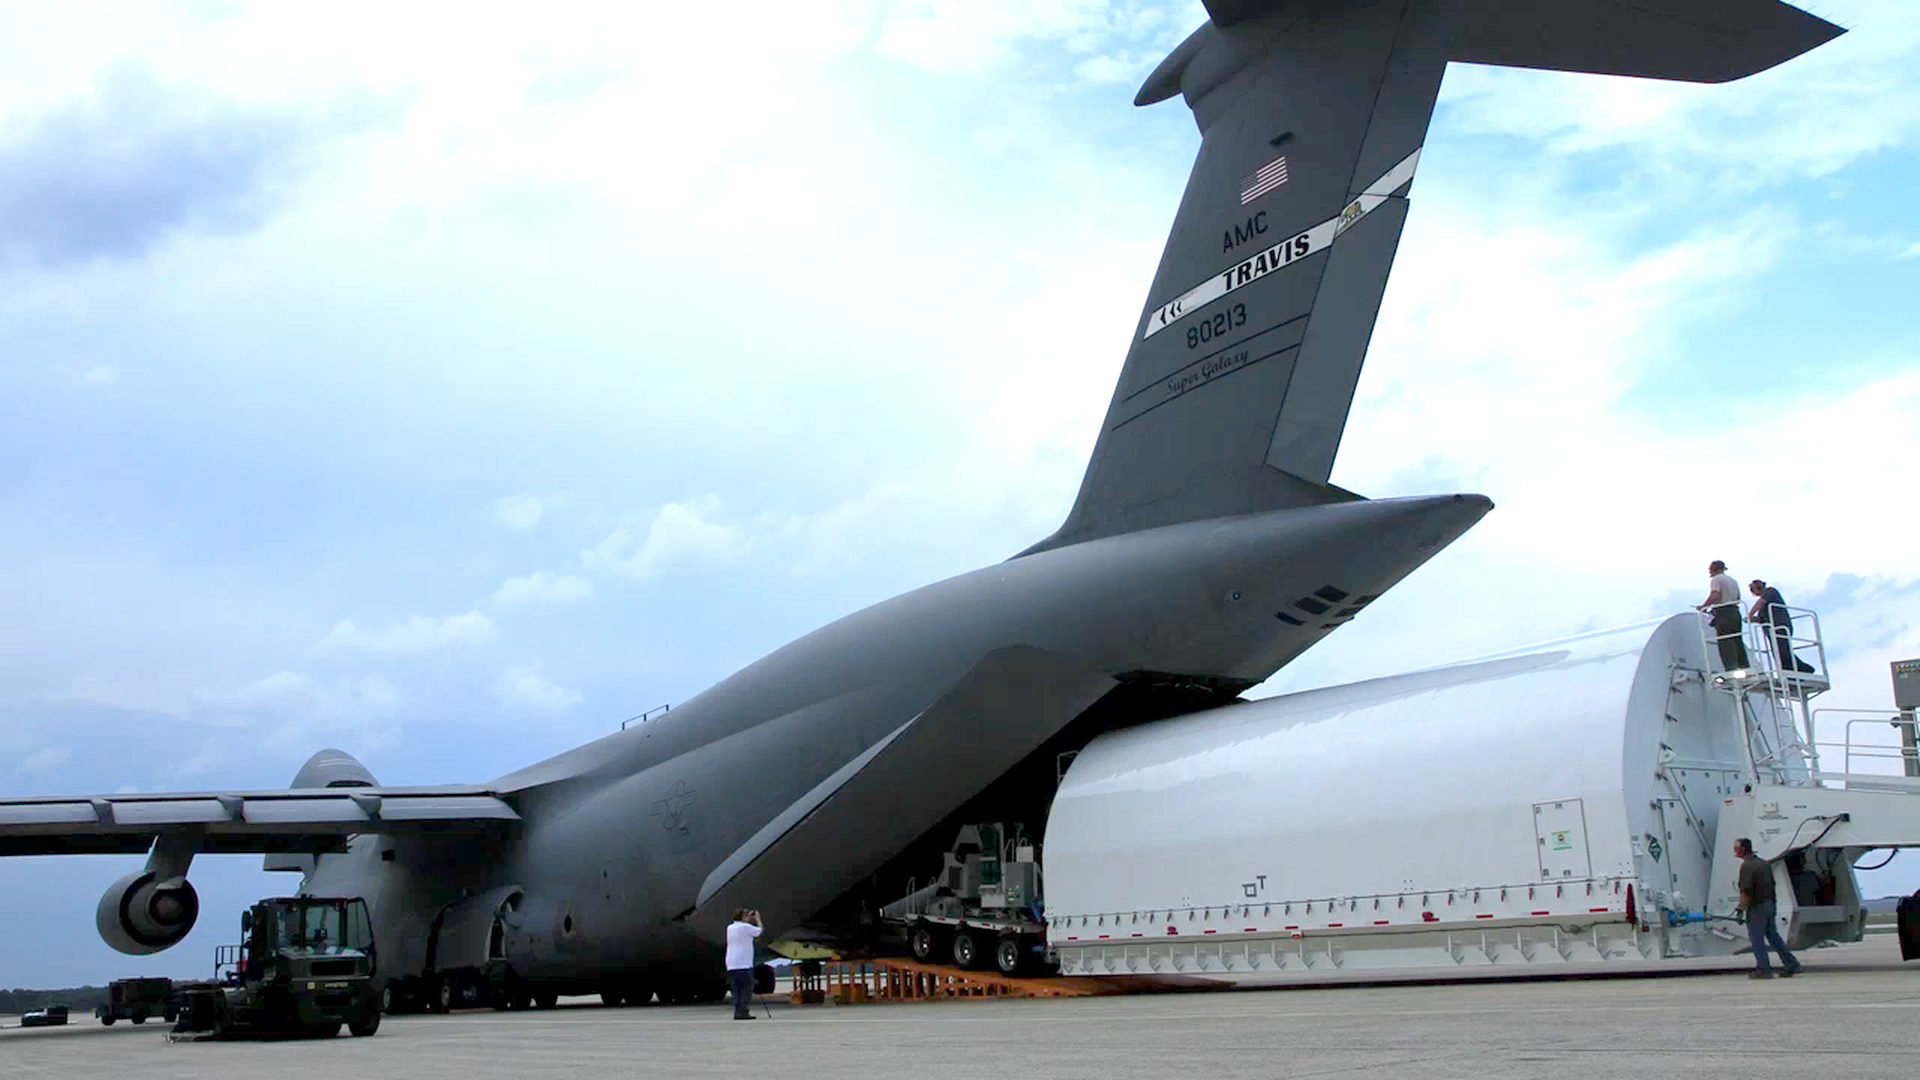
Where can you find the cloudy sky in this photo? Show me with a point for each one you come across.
(447, 385)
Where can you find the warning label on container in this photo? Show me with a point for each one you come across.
(1562, 840)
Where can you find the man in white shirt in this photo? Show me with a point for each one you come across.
(1722, 605)
(740, 934)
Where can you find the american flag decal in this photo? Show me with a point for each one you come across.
(1263, 179)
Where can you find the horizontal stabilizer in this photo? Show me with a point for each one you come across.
(288, 820)
(1707, 41)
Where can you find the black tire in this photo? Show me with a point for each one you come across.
(924, 942)
(365, 1026)
(326, 1031)
(1010, 955)
(611, 998)
(386, 997)
(967, 952)
(108, 1020)
(139, 1018)
(638, 994)
(444, 995)
(545, 999)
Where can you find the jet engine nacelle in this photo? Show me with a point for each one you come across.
(144, 913)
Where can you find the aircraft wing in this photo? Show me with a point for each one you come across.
(289, 820)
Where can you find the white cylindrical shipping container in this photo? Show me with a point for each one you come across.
(1507, 809)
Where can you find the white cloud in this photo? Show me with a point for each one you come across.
(1124, 68)
(543, 587)
(418, 634)
(972, 35)
(45, 759)
(679, 533)
(101, 376)
(1912, 252)
(522, 689)
(367, 695)
(519, 511)
(290, 714)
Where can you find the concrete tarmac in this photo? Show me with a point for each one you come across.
(1854, 1012)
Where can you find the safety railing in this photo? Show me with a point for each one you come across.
(1774, 650)
(1868, 760)
(657, 710)
(1770, 668)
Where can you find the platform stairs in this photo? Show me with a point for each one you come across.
(1795, 807)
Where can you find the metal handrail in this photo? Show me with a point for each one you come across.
(1870, 751)
(657, 710)
(1759, 640)
(1762, 634)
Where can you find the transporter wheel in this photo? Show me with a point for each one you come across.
(545, 999)
(966, 949)
(108, 1019)
(139, 1018)
(326, 1031)
(611, 998)
(638, 993)
(1010, 955)
(924, 942)
(365, 1026)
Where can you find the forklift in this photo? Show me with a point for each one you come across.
(305, 966)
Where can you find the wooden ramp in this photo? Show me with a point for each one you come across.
(853, 982)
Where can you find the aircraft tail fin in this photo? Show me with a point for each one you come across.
(1236, 388)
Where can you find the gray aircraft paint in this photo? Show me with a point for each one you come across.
(1200, 535)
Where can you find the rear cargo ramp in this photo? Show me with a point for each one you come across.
(853, 982)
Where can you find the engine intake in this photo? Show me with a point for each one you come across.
(144, 913)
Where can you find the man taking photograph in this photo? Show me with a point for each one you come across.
(740, 934)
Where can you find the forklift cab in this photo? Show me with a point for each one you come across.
(278, 931)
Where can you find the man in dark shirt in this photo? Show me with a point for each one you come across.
(1769, 609)
(1756, 899)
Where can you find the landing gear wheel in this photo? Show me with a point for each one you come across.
(924, 943)
(1010, 955)
(365, 1026)
(611, 998)
(545, 999)
(966, 949)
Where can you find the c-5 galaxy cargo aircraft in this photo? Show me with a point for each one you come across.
(1206, 549)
